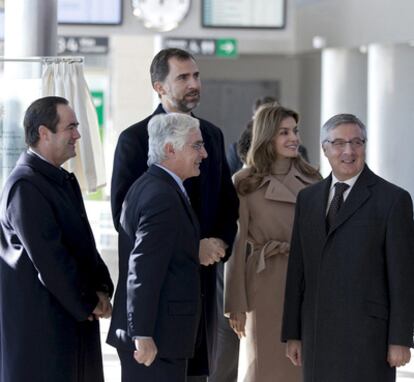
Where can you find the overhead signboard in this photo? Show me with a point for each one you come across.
(82, 45)
(209, 47)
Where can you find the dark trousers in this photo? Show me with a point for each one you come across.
(226, 357)
(161, 370)
(196, 379)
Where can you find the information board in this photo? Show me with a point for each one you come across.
(99, 12)
(260, 14)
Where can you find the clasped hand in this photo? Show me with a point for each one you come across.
(103, 309)
(211, 251)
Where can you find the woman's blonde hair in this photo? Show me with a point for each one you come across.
(262, 153)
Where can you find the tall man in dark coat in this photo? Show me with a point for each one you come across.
(176, 79)
(350, 283)
(157, 301)
(53, 283)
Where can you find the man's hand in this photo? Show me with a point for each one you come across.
(103, 309)
(146, 351)
(105, 304)
(237, 322)
(211, 251)
(398, 355)
(294, 352)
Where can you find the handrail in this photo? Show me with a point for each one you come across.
(44, 60)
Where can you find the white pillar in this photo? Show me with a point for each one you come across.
(132, 93)
(391, 113)
(30, 28)
(344, 87)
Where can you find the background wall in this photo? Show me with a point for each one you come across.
(271, 41)
(285, 56)
(353, 23)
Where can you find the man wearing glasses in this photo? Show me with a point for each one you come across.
(348, 312)
(157, 303)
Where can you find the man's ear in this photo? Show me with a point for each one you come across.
(169, 150)
(323, 149)
(44, 133)
(159, 88)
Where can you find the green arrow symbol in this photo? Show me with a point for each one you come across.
(226, 47)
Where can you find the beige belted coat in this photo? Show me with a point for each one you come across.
(255, 273)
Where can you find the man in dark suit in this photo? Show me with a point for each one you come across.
(350, 284)
(53, 283)
(176, 79)
(157, 301)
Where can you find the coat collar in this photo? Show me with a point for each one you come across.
(56, 174)
(316, 203)
(286, 190)
(161, 174)
(159, 110)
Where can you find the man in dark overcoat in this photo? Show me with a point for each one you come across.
(348, 312)
(157, 301)
(176, 79)
(53, 283)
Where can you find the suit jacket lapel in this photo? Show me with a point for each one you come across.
(319, 207)
(357, 197)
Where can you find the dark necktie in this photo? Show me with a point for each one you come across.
(186, 196)
(336, 203)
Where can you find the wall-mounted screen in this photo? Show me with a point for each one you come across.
(260, 14)
(92, 12)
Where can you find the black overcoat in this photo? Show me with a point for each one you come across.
(213, 198)
(350, 292)
(50, 271)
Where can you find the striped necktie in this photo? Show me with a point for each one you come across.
(336, 203)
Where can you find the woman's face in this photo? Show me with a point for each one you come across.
(286, 139)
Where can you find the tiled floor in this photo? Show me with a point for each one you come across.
(112, 368)
(106, 240)
(406, 373)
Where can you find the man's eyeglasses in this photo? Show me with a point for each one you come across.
(340, 144)
(197, 146)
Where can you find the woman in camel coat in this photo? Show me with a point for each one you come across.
(255, 273)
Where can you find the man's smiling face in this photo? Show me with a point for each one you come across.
(347, 161)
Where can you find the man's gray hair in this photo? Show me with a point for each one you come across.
(340, 119)
(168, 128)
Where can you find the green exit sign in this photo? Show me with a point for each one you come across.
(226, 47)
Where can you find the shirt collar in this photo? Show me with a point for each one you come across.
(30, 150)
(350, 182)
(177, 179)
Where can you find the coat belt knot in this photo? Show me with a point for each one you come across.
(269, 249)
